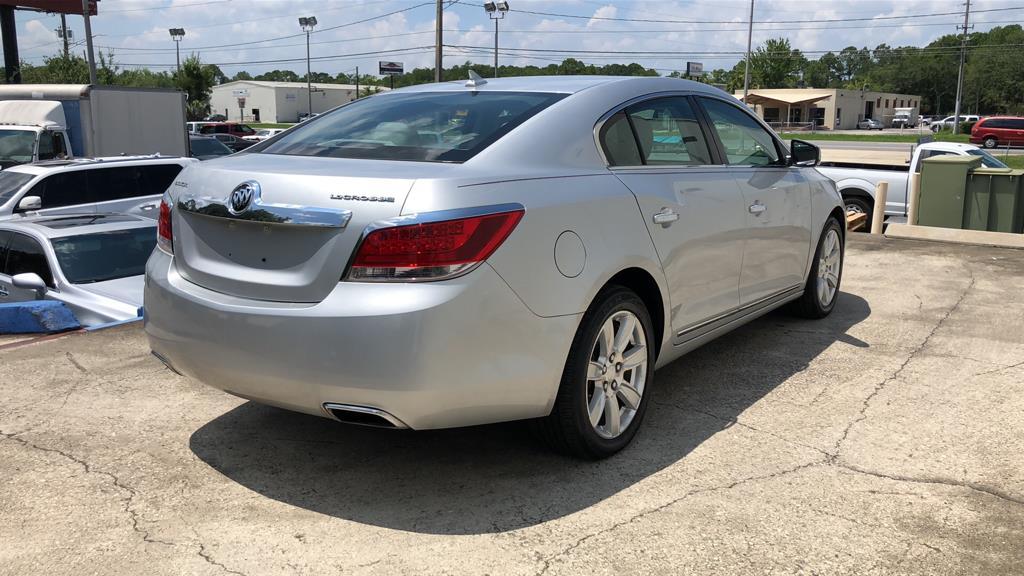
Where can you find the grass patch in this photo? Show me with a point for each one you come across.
(257, 126)
(1014, 161)
(911, 138)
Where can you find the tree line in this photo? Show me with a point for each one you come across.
(993, 79)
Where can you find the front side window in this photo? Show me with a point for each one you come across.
(418, 126)
(25, 255)
(88, 258)
(10, 185)
(63, 189)
(744, 140)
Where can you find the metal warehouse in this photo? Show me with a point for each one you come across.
(826, 108)
(260, 101)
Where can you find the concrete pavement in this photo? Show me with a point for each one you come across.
(886, 439)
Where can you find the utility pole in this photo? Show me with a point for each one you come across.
(437, 43)
(960, 75)
(88, 42)
(746, 68)
(307, 25)
(64, 32)
(357, 83)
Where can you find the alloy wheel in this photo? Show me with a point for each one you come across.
(616, 374)
(829, 265)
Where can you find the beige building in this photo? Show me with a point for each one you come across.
(276, 101)
(827, 108)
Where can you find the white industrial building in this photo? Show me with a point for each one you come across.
(276, 101)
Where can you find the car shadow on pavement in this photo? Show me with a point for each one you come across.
(490, 479)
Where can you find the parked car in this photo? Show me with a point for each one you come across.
(93, 263)
(947, 122)
(540, 266)
(306, 116)
(993, 131)
(86, 185)
(869, 124)
(233, 142)
(232, 128)
(856, 181)
(194, 127)
(263, 134)
(207, 147)
(216, 118)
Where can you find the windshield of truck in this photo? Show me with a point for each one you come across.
(987, 160)
(11, 183)
(418, 126)
(16, 147)
(88, 258)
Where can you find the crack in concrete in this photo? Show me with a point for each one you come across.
(75, 363)
(547, 562)
(866, 403)
(209, 560)
(131, 493)
(975, 486)
(735, 421)
(1001, 368)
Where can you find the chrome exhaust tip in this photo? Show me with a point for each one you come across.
(363, 416)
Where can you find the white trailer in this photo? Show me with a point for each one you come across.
(46, 121)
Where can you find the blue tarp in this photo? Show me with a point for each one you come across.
(38, 317)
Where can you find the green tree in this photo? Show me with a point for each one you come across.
(241, 75)
(197, 81)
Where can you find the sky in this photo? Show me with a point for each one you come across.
(262, 35)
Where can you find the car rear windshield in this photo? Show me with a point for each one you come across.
(11, 183)
(419, 126)
(88, 258)
(988, 160)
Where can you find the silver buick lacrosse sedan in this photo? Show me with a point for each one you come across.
(481, 251)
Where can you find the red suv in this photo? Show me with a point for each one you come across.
(995, 131)
(233, 128)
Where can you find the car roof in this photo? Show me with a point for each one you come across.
(47, 166)
(555, 84)
(65, 225)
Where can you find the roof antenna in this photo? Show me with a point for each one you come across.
(475, 80)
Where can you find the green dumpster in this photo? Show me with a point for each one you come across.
(943, 183)
(994, 200)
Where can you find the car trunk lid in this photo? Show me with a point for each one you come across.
(257, 254)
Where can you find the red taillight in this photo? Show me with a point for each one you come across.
(431, 250)
(164, 232)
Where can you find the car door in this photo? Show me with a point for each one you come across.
(5, 280)
(1016, 131)
(691, 206)
(63, 193)
(777, 199)
(24, 255)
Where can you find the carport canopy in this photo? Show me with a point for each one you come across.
(787, 97)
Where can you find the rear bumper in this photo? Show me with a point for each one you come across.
(434, 355)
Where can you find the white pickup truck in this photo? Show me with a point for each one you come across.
(856, 179)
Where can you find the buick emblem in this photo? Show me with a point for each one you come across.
(242, 196)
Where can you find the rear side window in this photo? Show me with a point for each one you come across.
(63, 189)
(418, 126)
(1015, 123)
(743, 139)
(669, 133)
(157, 179)
(115, 183)
(26, 255)
(618, 142)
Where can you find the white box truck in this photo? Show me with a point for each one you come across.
(47, 121)
(905, 118)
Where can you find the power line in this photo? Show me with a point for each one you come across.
(168, 7)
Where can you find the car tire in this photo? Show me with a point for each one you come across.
(990, 142)
(862, 205)
(570, 428)
(825, 275)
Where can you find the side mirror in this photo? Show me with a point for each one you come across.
(30, 281)
(803, 153)
(30, 203)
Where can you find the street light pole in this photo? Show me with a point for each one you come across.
(88, 42)
(307, 25)
(960, 74)
(746, 68)
(177, 34)
(496, 11)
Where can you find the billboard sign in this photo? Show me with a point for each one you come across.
(694, 69)
(391, 68)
